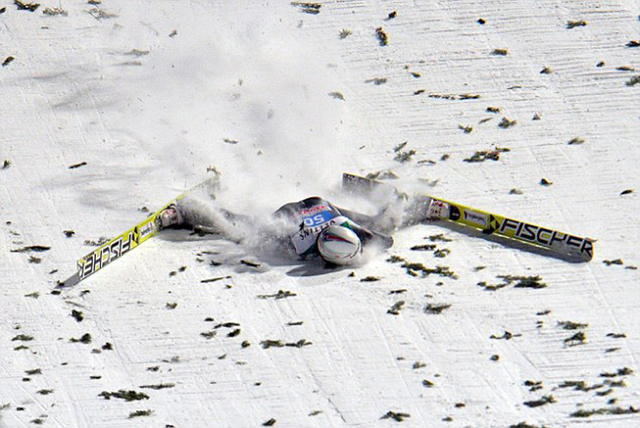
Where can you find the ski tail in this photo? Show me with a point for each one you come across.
(115, 248)
(562, 243)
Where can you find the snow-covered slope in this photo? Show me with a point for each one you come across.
(113, 106)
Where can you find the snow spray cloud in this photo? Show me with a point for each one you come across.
(241, 90)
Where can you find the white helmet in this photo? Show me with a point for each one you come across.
(339, 245)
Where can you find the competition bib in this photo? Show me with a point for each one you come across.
(305, 239)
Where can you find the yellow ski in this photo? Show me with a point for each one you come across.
(120, 245)
(494, 224)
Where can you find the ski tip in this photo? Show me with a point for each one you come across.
(69, 282)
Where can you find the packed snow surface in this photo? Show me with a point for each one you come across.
(109, 109)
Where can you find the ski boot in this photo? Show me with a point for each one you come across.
(438, 210)
(170, 216)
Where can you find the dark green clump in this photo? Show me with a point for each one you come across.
(159, 386)
(414, 268)
(281, 294)
(574, 24)
(139, 413)
(383, 39)
(570, 325)
(483, 155)
(395, 309)
(266, 344)
(77, 315)
(577, 339)
(124, 395)
(582, 413)
(310, 8)
(209, 334)
(506, 123)
(620, 372)
(396, 416)
(439, 237)
(524, 281)
(22, 338)
(31, 7)
(431, 308)
(546, 399)
(395, 259)
(425, 247)
(520, 282)
(85, 338)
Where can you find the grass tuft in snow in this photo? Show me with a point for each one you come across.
(139, 413)
(266, 344)
(574, 24)
(533, 385)
(396, 416)
(436, 308)
(77, 315)
(396, 308)
(31, 7)
(506, 123)
(520, 282)
(483, 155)
(625, 371)
(583, 413)
(281, 294)
(99, 14)
(85, 339)
(125, 395)
(570, 325)
(404, 156)
(546, 399)
(159, 386)
(633, 81)
(22, 338)
(383, 39)
(209, 334)
(577, 339)
(310, 8)
(414, 268)
(345, 33)
(53, 11)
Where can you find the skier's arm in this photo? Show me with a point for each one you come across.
(362, 219)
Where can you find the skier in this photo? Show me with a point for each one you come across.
(316, 226)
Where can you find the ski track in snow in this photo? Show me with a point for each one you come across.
(152, 94)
